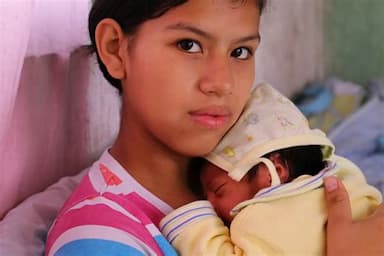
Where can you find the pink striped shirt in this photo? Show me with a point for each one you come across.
(110, 213)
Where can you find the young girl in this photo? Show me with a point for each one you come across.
(184, 70)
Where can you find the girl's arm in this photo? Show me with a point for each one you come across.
(347, 237)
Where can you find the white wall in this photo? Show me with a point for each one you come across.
(291, 50)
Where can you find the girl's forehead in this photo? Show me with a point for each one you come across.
(211, 19)
(227, 7)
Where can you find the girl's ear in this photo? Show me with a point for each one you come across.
(110, 39)
(281, 166)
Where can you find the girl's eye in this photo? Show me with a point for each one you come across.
(242, 53)
(189, 45)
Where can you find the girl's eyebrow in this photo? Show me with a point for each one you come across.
(190, 28)
(255, 37)
(200, 32)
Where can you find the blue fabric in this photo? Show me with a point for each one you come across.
(359, 139)
(97, 247)
(380, 143)
(165, 246)
(314, 99)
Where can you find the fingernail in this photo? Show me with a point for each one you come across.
(330, 184)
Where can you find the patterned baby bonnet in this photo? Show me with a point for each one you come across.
(269, 122)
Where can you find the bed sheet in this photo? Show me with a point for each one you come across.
(359, 138)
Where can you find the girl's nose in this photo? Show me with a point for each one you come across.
(217, 79)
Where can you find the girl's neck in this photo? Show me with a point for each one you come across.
(157, 168)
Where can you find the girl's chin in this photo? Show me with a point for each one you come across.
(198, 146)
(201, 150)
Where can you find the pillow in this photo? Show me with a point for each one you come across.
(24, 229)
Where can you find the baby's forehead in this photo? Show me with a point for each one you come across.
(210, 172)
(210, 167)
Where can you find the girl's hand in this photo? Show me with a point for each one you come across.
(347, 237)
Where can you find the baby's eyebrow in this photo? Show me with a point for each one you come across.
(220, 186)
(209, 184)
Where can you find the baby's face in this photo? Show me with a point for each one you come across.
(223, 192)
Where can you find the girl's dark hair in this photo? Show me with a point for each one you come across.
(129, 14)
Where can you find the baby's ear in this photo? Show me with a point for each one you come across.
(109, 41)
(281, 166)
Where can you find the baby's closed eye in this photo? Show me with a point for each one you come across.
(220, 189)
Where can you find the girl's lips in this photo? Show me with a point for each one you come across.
(214, 117)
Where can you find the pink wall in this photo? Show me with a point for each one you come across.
(45, 108)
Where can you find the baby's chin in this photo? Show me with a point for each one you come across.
(226, 218)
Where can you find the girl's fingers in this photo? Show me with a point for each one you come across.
(337, 201)
(379, 213)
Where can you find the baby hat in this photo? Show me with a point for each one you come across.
(269, 122)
